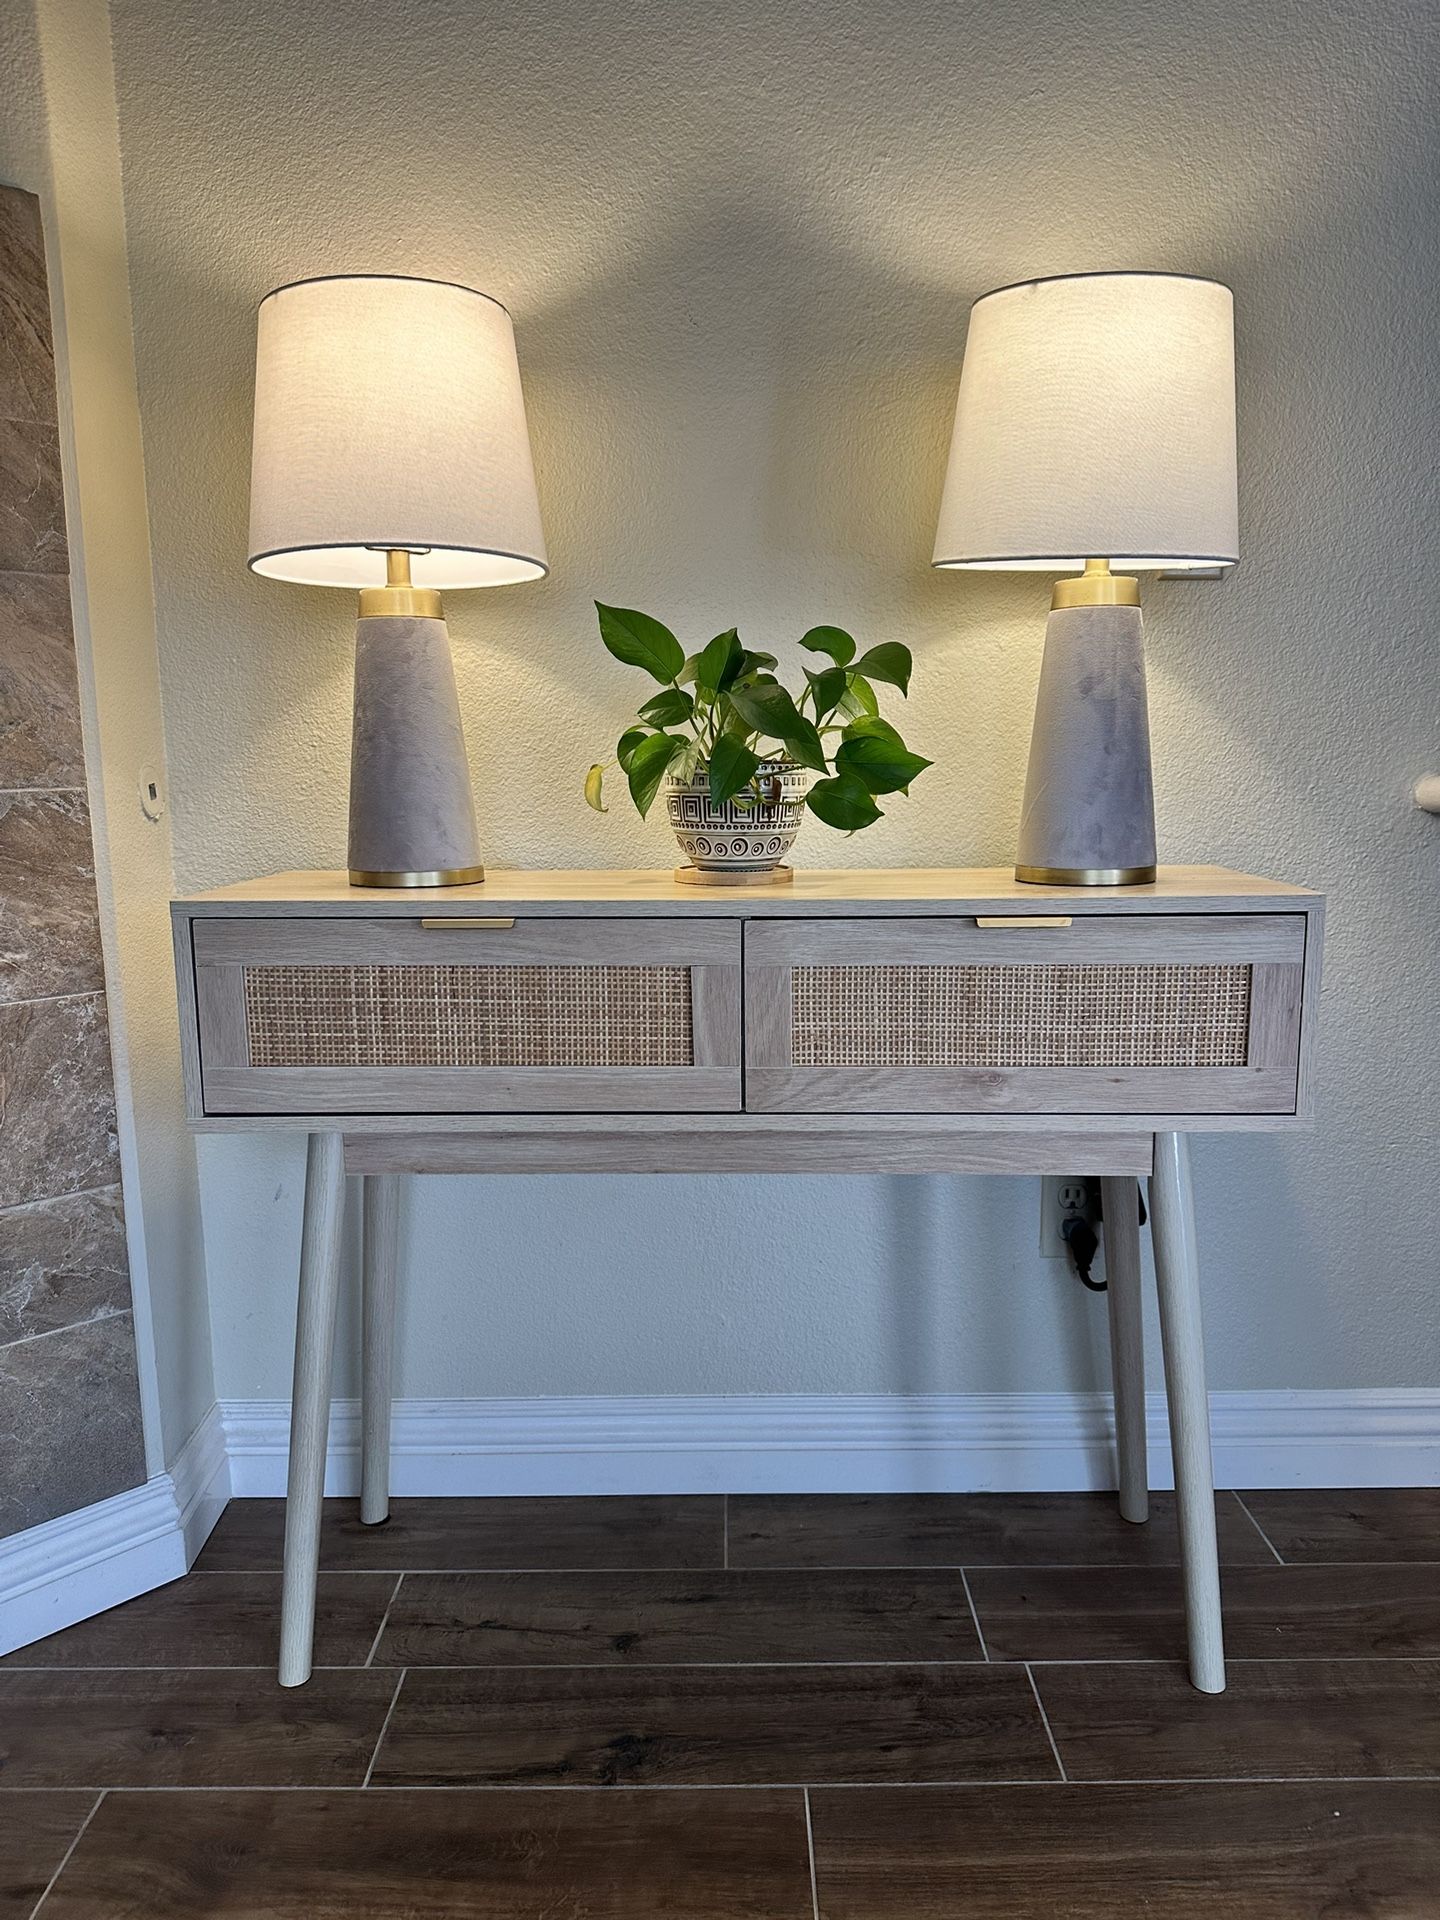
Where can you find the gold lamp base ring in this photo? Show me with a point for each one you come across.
(435, 877)
(1086, 876)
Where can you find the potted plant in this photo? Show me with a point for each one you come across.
(736, 750)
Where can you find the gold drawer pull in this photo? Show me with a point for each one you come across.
(440, 925)
(1018, 921)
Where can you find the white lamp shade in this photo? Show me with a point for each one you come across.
(1096, 421)
(388, 413)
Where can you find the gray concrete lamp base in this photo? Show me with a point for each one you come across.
(412, 814)
(1088, 819)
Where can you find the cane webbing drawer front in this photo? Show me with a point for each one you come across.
(369, 1016)
(1162, 1014)
(1002, 1016)
(467, 1016)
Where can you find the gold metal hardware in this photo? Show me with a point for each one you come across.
(1096, 587)
(1019, 921)
(441, 925)
(432, 877)
(1086, 876)
(398, 599)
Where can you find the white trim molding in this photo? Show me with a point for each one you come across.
(70, 1568)
(794, 1443)
(82, 1563)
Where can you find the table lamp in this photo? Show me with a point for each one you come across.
(1095, 427)
(391, 455)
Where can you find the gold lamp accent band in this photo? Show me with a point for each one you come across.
(1086, 876)
(1096, 587)
(399, 599)
(435, 877)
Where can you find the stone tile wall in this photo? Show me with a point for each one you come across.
(70, 1428)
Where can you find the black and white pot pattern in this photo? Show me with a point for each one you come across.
(734, 839)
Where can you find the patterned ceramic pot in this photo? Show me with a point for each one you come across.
(739, 840)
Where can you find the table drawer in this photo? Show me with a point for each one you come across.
(1154, 1013)
(462, 1014)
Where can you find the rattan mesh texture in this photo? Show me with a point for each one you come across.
(1020, 1016)
(467, 1016)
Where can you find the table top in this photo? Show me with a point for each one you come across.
(878, 890)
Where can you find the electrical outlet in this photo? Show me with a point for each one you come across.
(1060, 1197)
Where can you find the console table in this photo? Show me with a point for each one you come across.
(913, 1021)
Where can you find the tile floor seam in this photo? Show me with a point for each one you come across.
(735, 1666)
(1280, 1558)
(796, 1786)
(384, 1620)
(384, 1728)
(849, 1566)
(1045, 1722)
(65, 1861)
(810, 1850)
(974, 1613)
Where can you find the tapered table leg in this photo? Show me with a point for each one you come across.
(1120, 1204)
(1177, 1275)
(382, 1234)
(310, 1401)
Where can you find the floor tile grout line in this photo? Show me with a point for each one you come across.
(384, 1727)
(275, 1568)
(384, 1621)
(1045, 1721)
(1280, 1558)
(49, 1884)
(974, 1613)
(1001, 1664)
(810, 1849)
(971, 1785)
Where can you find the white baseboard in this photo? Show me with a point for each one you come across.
(82, 1563)
(781, 1443)
(70, 1568)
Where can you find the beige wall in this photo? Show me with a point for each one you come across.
(61, 141)
(739, 242)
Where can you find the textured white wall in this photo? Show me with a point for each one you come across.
(739, 242)
(59, 139)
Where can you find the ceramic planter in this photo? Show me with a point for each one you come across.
(735, 843)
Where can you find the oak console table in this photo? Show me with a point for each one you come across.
(921, 1021)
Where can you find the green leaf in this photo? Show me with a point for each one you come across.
(843, 802)
(827, 689)
(593, 781)
(732, 766)
(882, 765)
(717, 665)
(753, 665)
(686, 761)
(627, 743)
(647, 767)
(871, 723)
(859, 699)
(641, 642)
(890, 663)
(767, 708)
(686, 676)
(832, 640)
(668, 709)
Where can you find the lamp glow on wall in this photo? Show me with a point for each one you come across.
(1095, 427)
(391, 456)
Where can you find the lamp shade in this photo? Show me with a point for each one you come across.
(388, 413)
(1096, 420)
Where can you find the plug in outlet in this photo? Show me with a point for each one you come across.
(1059, 1199)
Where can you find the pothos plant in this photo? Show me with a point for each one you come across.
(723, 710)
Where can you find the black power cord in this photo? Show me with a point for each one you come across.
(1083, 1242)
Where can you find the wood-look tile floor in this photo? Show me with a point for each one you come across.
(914, 1707)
